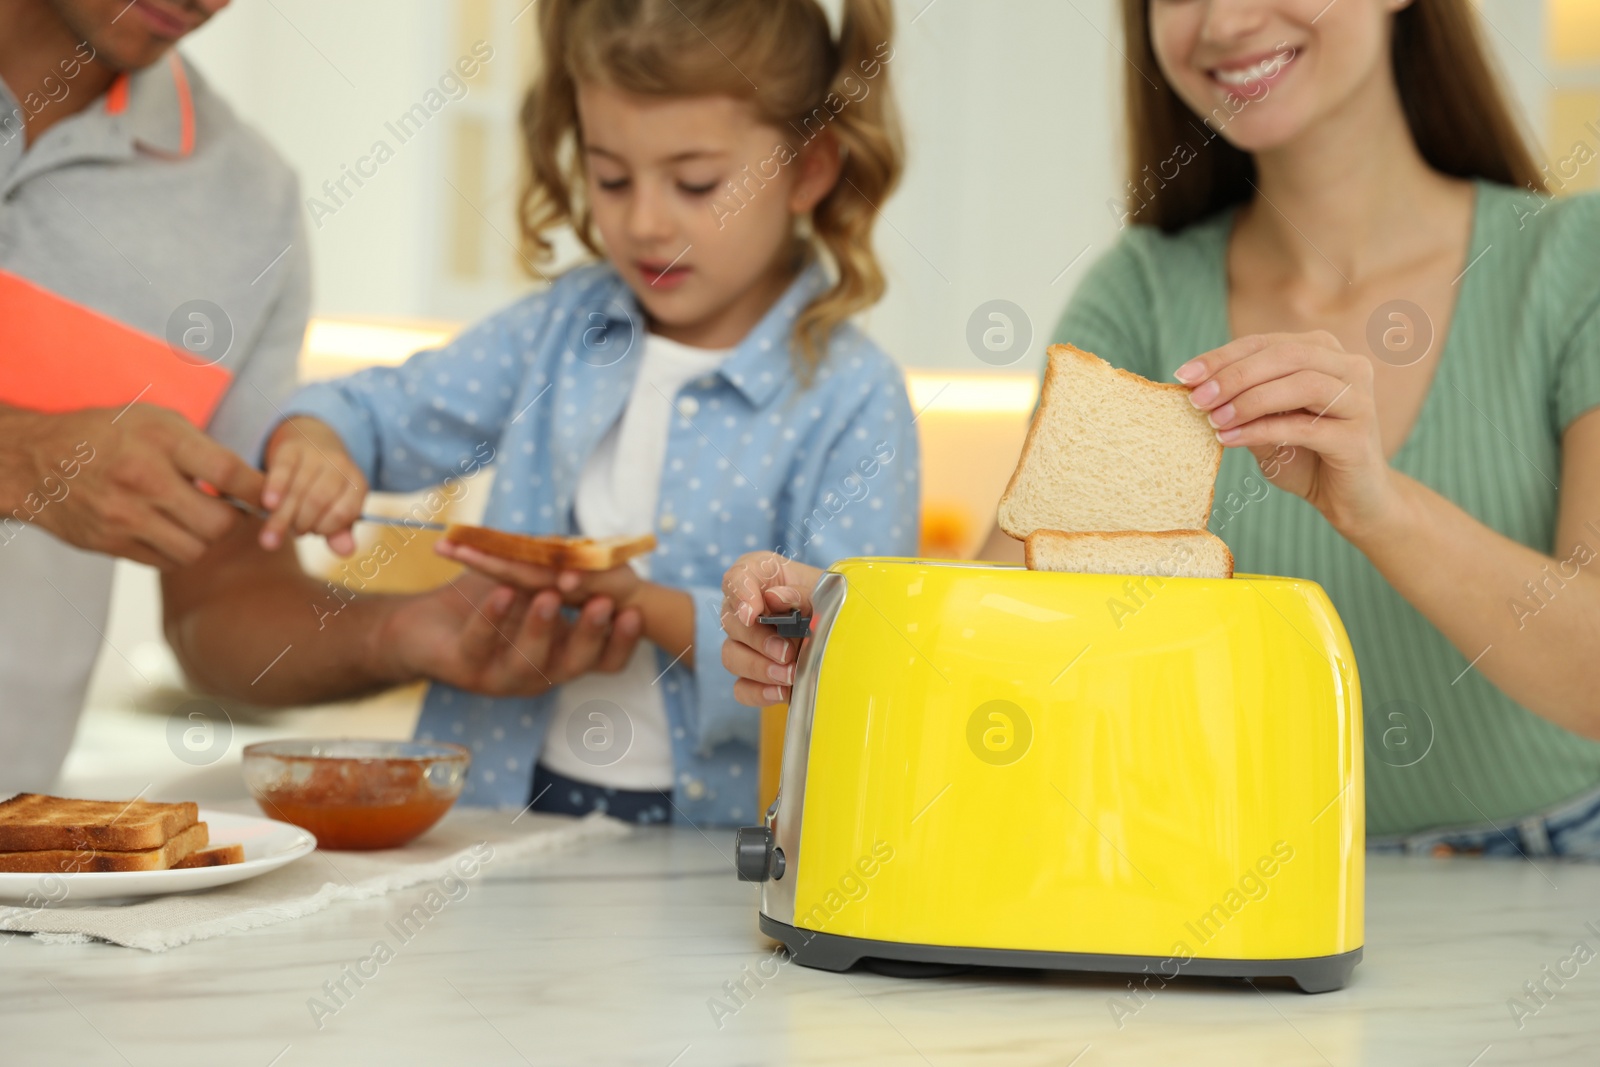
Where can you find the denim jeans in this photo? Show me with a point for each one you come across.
(1571, 829)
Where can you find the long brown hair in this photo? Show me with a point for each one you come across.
(1180, 169)
(808, 83)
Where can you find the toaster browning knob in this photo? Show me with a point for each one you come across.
(753, 855)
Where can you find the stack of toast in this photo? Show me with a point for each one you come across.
(1117, 476)
(60, 836)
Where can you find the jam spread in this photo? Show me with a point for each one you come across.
(354, 805)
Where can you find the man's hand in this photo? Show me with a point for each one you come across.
(123, 484)
(666, 613)
(484, 637)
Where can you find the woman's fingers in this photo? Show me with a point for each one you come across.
(1274, 361)
(1206, 364)
(1275, 457)
(1320, 394)
(1209, 364)
(1294, 430)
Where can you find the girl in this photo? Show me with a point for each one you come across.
(1340, 241)
(702, 381)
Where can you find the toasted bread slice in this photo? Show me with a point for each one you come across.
(1109, 450)
(1166, 554)
(220, 856)
(69, 861)
(562, 553)
(32, 821)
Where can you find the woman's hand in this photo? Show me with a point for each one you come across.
(763, 583)
(484, 637)
(1305, 408)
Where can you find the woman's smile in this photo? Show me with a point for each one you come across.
(1249, 77)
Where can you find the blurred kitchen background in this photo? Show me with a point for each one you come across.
(1012, 114)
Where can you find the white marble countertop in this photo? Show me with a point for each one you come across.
(613, 955)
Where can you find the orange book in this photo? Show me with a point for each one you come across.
(57, 355)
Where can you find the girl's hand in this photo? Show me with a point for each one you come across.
(763, 583)
(312, 485)
(1305, 409)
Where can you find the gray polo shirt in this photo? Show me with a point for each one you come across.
(152, 197)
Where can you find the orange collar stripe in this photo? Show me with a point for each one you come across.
(117, 95)
(185, 103)
(117, 101)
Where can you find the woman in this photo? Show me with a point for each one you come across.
(1340, 242)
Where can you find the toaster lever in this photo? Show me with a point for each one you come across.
(790, 624)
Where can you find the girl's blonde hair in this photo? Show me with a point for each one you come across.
(778, 54)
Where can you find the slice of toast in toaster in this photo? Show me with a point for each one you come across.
(68, 861)
(1109, 450)
(33, 822)
(1166, 554)
(562, 553)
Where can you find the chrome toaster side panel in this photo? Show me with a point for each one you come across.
(777, 895)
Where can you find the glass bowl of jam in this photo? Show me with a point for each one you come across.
(355, 794)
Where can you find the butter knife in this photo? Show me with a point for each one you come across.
(381, 520)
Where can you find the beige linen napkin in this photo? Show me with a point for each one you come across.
(468, 839)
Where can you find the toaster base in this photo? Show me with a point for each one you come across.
(835, 952)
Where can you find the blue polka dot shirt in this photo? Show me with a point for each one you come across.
(755, 459)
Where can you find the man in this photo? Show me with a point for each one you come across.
(154, 287)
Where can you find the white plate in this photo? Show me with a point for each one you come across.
(268, 845)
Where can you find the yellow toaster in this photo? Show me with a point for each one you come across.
(986, 765)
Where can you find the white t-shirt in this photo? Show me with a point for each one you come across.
(599, 714)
